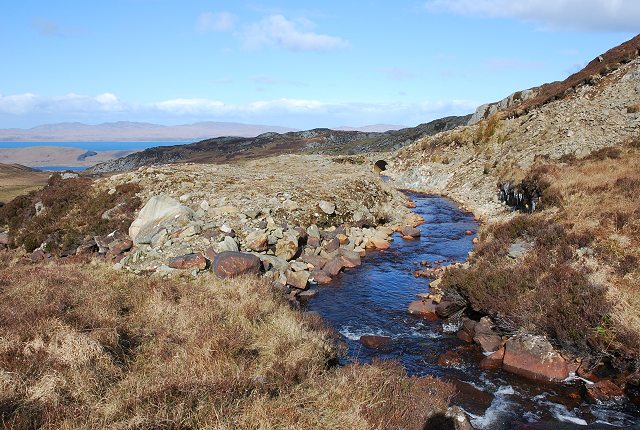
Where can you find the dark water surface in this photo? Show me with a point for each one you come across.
(373, 299)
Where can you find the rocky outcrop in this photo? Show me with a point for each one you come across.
(486, 110)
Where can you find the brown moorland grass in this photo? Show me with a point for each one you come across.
(16, 180)
(83, 346)
(580, 281)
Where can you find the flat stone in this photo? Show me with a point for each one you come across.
(493, 361)
(257, 241)
(321, 277)
(189, 261)
(308, 294)
(230, 264)
(332, 245)
(533, 357)
(424, 308)
(157, 211)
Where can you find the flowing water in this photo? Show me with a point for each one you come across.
(373, 300)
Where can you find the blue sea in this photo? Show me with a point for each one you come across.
(97, 146)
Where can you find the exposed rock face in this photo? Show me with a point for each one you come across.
(493, 361)
(533, 357)
(298, 279)
(159, 210)
(231, 264)
(486, 110)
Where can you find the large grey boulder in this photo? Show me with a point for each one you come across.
(158, 212)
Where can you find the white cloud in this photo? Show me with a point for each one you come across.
(276, 30)
(30, 109)
(215, 21)
(21, 104)
(588, 15)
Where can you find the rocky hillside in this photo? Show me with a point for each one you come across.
(317, 141)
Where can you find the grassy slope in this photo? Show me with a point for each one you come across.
(82, 346)
(16, 180)
(579, 283)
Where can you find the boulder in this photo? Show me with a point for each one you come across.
(446, 308)
(485, 336)
(410, 231)
(315, 260)
(533, 357)
(313, 242)
(297, 279)
(332, 245)
(327, 207)
(158, 211)
(287, 247)
(350, 259)
(333, 266)
(424, 308)
(257, 241)
(313, 231)
(189, 261)
(493, 361)
(380, 244)
(119, 246)
(228, 244)
(229, 264)
(381, 343)
(321, 277)
(464, 336)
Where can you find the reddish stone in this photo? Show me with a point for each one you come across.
(332, 245)
(488, 342)
(302, 233)
(468, 232)
(333, 266)
(410, 231)
(210, 254)
(424, 308)
(603, 390)
(381, 343)
(408, 238)
(39, 255)
(119, 246)
(229, 264)
(4, 239)
(321, 277)
(315, 260)
(350, 261)
(464, 336)
(449, 358)
(313, 242)
(189, 261)
(533, 357)
(410, 205)
(380, 244)
(493, 361)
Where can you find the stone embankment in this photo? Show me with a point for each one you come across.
(299, 220)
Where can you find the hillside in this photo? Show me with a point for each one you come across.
(317, 141)
(36, 156)
(562, 260)
(16, 179)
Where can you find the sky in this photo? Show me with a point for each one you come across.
(289, 63)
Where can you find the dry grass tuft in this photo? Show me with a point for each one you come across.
(88, 347)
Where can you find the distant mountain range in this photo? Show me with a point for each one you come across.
(142, 131)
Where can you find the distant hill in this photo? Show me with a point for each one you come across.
(317, 141)
(376, 128)
(36, 156)
(134, 131)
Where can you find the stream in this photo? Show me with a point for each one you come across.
(373, 300)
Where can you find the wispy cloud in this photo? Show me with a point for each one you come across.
(276, 30)
(50, 28)
(215, 21)
(584, 15)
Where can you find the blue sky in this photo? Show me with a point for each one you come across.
(290, 63)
